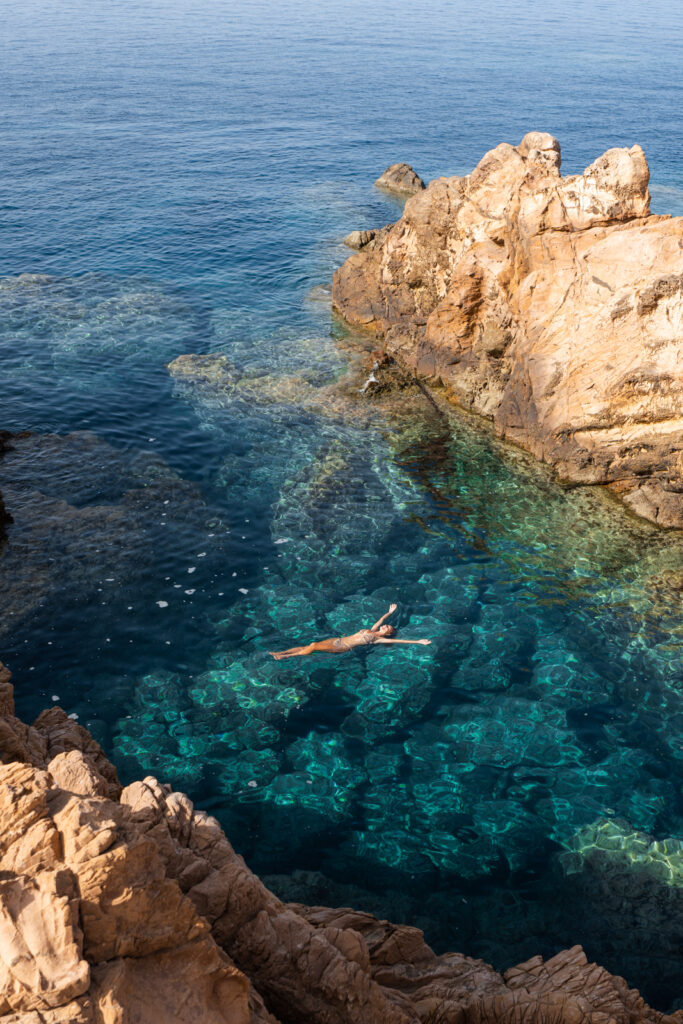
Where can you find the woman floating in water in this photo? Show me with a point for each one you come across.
(379, 634)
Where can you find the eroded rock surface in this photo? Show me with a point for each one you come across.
(120, 906)
(552, 305)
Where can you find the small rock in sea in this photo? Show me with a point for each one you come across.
(401, 178)
(55, 697)
(359, 239)
(320, 293)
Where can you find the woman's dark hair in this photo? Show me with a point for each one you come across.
(392, 631)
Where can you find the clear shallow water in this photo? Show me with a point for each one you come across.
(177, 182)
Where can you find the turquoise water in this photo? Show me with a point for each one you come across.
(179, 181)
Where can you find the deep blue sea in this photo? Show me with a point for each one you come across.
(177, 178)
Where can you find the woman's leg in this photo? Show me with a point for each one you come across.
(320, 647)
(293, 652)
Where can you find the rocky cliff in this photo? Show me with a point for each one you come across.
(552, 305)
(128, 905)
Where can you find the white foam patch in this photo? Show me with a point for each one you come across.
(283, 540)
(163, 604)
(190, 591)
(243, 590)
(193, 568)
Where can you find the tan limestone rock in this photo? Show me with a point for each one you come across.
(40, 949)
(184, 985)
(63, 734)
(76, 773)
(552, 305)
(91, 928)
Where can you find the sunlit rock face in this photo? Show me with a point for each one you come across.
(552, 305)
(120, 905)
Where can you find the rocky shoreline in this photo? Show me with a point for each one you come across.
(129, 904)
(551, 305)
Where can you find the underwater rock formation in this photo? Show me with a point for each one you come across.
(630, 885)
(400, 178)
(84, 511)
(119, 905)
(551, 305)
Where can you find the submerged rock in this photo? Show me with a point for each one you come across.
(85, 512)
(552, 305)
(131, 904)
(400, 178)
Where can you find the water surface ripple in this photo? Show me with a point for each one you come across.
(178, 180)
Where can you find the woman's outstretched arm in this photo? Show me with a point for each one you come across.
(387, 640)
(392, 609)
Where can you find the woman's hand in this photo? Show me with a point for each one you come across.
(392, 608)
(425, 643)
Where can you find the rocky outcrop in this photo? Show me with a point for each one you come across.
(130, 905)
(552, 305)
(400, 178)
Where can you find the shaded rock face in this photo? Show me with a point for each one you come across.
(553, 306)
(400, 178)
(121, 905)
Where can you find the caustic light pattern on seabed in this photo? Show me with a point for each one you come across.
(528, 719)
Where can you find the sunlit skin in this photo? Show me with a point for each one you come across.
(380, 633)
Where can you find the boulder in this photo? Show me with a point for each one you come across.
(551, 305)
(400, 178)
(359, 239)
